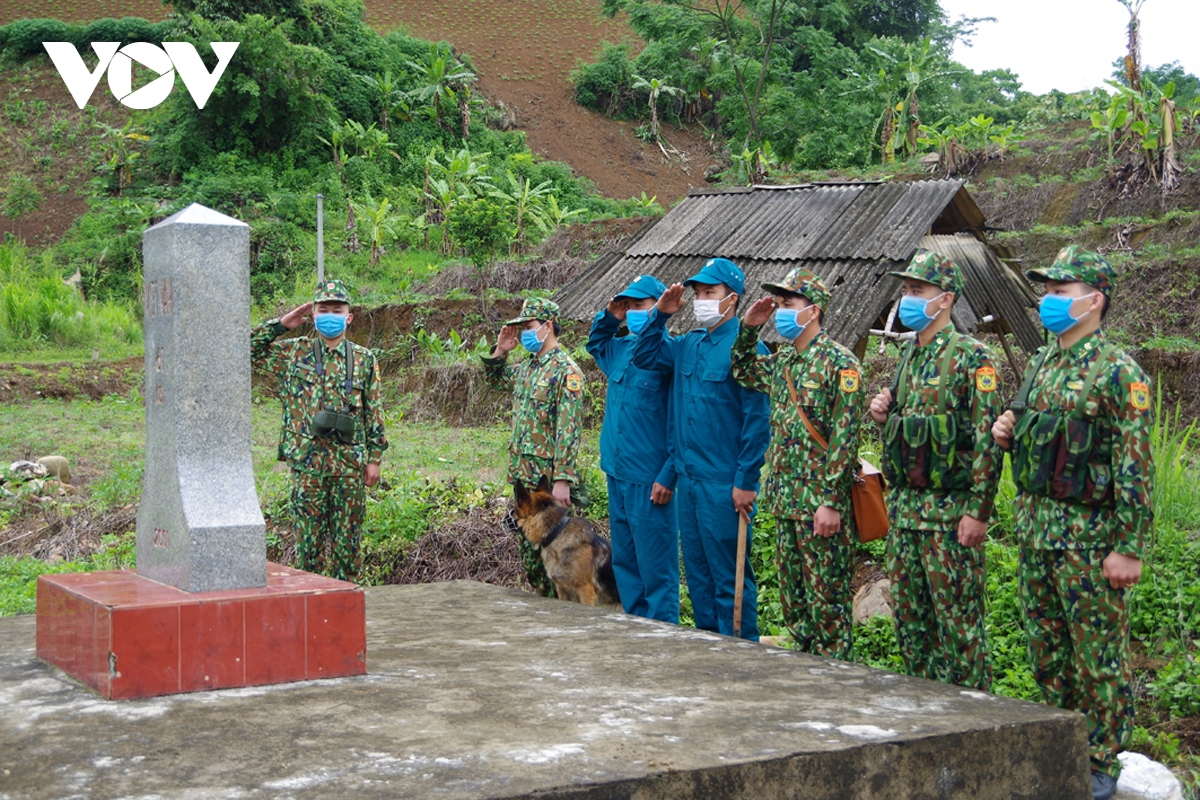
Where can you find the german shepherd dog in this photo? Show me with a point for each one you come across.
(577, 558)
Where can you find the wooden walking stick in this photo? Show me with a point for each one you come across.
(740, 577)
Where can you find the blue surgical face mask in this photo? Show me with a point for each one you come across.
(1055, 313)
(913, 312)
(330, 326)
(530, 340)
(635, 320)
(786, 324)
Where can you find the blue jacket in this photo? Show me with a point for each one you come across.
(635, 442)
(721, 430)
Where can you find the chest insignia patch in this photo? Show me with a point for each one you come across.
(1139, 396)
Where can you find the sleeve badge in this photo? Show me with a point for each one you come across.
(849, 380)
(985, 379)
(1139, 396)
(574, 382)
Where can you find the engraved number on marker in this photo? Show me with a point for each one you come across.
(161, 537)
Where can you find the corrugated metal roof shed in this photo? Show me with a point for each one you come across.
(851, 234)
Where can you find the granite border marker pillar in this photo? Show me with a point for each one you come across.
(199, 525)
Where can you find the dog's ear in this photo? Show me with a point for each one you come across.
(520, 493)
(544, 484)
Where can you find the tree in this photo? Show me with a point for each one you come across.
(381, 224)
(388, 94)
(436, 79)
(728, 21)
(655, 87)
(524, 205)
(482, 228)
(21, 198)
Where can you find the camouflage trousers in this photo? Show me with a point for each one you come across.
(329, 512)
(531, 559)
(1078, 628)
(938, 592)
(814, 588)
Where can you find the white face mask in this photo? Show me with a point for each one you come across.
(708, 312)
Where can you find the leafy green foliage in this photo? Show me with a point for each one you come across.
(481, 227)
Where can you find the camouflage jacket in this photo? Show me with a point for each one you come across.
(1119, 404)
(303, 393)
(802, 475)
(547, 427)
(974, 400)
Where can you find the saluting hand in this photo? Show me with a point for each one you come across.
(618, 306)
(880, 404)
(297, 316)
(1002, 429)
(671, 301)
(506, 340)
(760, 312)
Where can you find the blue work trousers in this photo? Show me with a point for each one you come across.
(645, 542)
(708, 529)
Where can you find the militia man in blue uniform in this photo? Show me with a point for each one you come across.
(636, 459)
(720, 433)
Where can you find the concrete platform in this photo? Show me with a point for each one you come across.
(479, 692)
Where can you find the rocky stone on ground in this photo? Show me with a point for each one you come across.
(873, 600)
(1145, 779)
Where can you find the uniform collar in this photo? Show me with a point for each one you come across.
(540, 358)
(815, 346)
(727, 330)
(1085, 346)
(940, 339)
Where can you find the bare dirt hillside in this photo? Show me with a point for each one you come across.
(524, 52)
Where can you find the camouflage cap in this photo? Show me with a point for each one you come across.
(802, 282)
(934, 268)
(332, 291)
(536, 308)
(1073, 263)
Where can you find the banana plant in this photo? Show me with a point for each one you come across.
(525, 202)
(1110, 123)
(656, 88)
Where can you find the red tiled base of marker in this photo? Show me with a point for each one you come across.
(127, 636)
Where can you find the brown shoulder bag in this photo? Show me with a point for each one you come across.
(866, 493)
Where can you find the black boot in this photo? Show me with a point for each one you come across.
(1103, 786)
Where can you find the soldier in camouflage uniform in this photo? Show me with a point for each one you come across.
(547, 390)
(1080, 431)
(807, 486)
(943, 467)
(331, 465)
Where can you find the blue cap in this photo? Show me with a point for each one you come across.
(720, 270)
(644, 286)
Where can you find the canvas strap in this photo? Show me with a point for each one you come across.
(803, 416)
(900, 384)
(319, 358)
